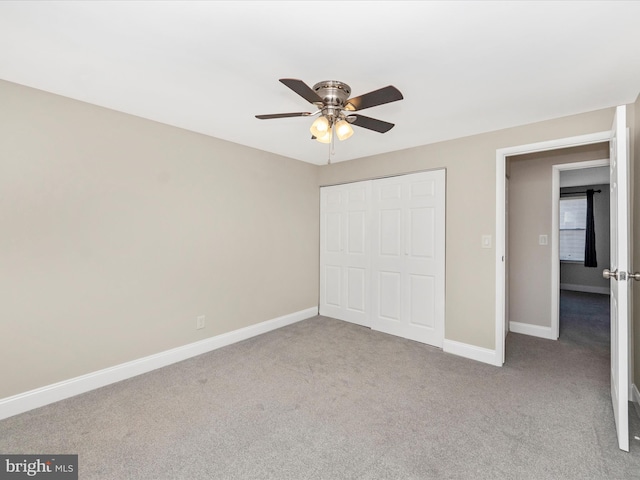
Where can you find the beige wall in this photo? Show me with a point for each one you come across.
(471, 209)
(530, 210)
(117, 232)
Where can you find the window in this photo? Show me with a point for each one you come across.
(573, 225)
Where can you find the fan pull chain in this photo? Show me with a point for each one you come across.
(332, 145)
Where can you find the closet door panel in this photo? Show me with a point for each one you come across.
(356, 232)
(422, 300)
(424, 260)
(389, 232)
(331, 206)
(408, 247)
(421, 228)
(344, 252)
(333, 283)
(389, 302)
(387, 255)
(356, 258)
(357, 284)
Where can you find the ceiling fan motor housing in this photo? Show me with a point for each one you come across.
(334, 95)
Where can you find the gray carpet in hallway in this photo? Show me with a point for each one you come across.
(325, 399)
(585, 320)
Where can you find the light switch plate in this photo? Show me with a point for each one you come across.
(543, 240)
(486, 241)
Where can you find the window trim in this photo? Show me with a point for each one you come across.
(578, 260)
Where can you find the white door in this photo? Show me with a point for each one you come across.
(408, 248)
(619, 283)
(344, 252)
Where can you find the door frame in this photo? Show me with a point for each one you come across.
(501, 168)
(555, 234)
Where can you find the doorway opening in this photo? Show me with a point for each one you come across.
(540, 183)
(580, 280)
(501, 221)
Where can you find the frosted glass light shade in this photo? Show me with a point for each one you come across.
(320, 127)
(343, 130)
(325, 138)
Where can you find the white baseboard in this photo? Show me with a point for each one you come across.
(472, 352)
(533, 330)
(40, 397)
(584, 288)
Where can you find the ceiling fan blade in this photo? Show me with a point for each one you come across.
(375, 98)
(302, 89)
(370, 123)
(283, 115)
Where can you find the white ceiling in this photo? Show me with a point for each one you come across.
(463, 67)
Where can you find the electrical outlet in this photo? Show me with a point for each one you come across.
(200, 322)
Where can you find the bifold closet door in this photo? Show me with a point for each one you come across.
(345, 254)
(408, 255)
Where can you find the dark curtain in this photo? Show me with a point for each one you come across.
(590, 235)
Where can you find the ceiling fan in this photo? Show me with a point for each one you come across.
(331, 97)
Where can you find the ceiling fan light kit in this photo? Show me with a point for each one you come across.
(320, 127)
(331, 97)
(343, 130)
(326, 138)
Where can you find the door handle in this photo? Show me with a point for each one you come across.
(635, 276)
(606, 273)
